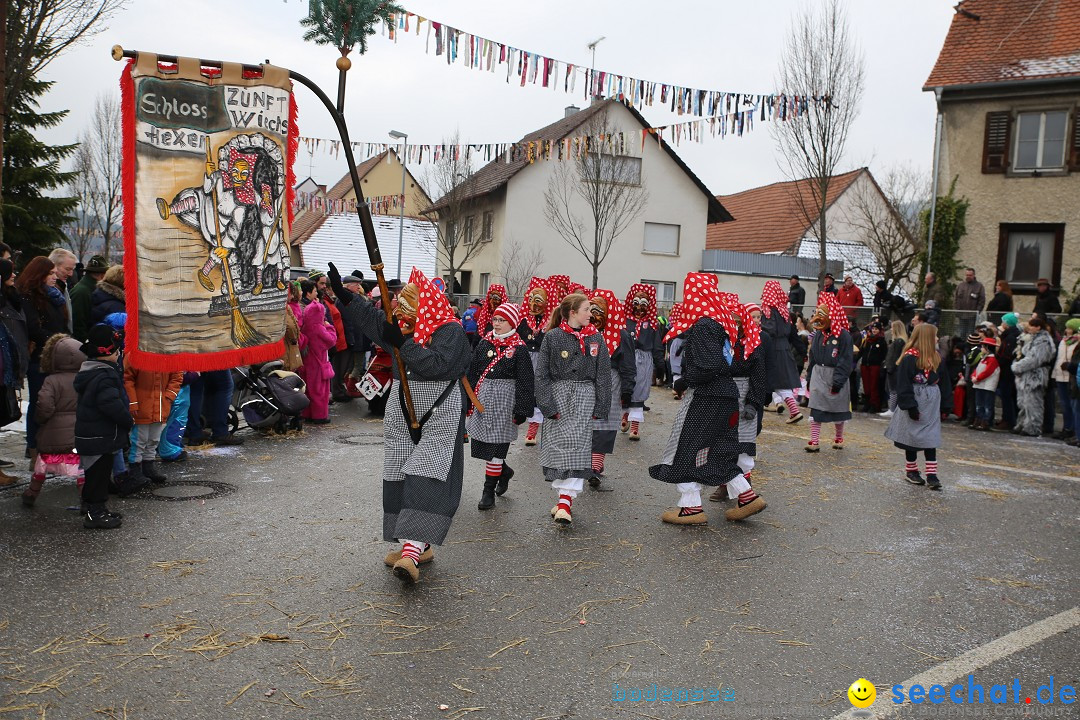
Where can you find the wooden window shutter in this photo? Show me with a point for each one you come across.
(996, 142)
(1073, 151)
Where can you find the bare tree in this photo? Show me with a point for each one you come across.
(99, 164)
(80, 232)
(33, 33)
(593, 199)
(820, 60)
(888, 217)
(518, 265)
(462, 228)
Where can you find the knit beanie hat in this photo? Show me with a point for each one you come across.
(1010, 319)
(509, 312)
(1074, 324)
(103, 340)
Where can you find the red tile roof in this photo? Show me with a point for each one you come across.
(993, 41)
(770, 219)
(307, 222)
(497, 173)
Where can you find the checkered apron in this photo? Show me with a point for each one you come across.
(747, 428)
(433, 456)
(924, 432)
(566, 443)
(676, 428)
(495, 424)
(614, 417)
(537, 416)
(642, 378)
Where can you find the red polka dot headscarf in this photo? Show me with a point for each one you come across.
(673, 317)
(773, 297)
(526, 311)
(650, 293)
(433, 310)
(751, 331)
(616, 321)
(838, 320)
(561, 283)
(702, 298)
(483, 315)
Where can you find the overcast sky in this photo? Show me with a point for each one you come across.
(707, 44)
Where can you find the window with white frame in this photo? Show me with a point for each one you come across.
(487, 228)
(661, 238)
(485, 283)
(665, 291)
(470, 222)
(1040, 140)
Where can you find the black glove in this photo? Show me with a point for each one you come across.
(749, 412)
(836, 389)
(335, 284)
(913, 413)
(680, 386)
(518, 419)
(393, 335)
(333, 273)
(624, 399)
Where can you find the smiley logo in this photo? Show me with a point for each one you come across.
(862, 693)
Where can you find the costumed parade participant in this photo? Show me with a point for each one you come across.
(674, 349)
(776, 323)
(421, 476)
(644, 328)
(831, 358)
(535, 311)
(496, 296)
(573, 387)
(704, 445)
(502, 375)
(608, 318)
(749, 371)
(561, 285)
(922, 395)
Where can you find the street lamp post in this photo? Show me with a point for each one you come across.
(404, 137)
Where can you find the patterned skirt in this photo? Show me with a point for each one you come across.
(748, 429)
(908, 434)
(565, 443)
(604, 432)
(704, 444)
(642, 378)
(422, 482)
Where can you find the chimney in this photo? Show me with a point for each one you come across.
(570, 110)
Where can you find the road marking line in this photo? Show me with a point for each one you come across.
(1022, 471)
(972, 660)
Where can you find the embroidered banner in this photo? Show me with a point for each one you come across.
(207, 185)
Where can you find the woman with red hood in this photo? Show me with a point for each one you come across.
(831, 358)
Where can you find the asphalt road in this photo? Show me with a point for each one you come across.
(269, 599)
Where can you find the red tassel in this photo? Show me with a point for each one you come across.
(127, 130)
(292, 145)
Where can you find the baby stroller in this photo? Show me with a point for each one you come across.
(269, 397)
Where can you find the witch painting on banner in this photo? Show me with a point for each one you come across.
(207, 183)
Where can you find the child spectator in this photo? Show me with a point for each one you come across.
(102, 422)
(171, 443)
(55, 414)
(151, 395)
(985, 381)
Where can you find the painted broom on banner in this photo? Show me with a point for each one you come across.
(208, 173)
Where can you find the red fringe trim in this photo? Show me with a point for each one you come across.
(195, 362)
(292, 145)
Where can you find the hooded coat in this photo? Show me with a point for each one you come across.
(56, 403)
(104, 301)
(151, 393)
(102, 418)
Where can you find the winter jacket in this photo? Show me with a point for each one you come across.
(43, 324)
(893, 356)
(318, 339)
(969, 296)
(80, 306)
(468, 320)
(1035, 358)
(1065, 353)
(850, 297)
(340, 341)
(1000, 303)
(11, 315)
(987, 373)
(102, 417)
(1047, 303)
(292, 357)
(934, 291)
(105, 300)
(796, 296)
(57, 400)
(150, 393)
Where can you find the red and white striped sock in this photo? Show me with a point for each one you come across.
(598, 462)
(565, 501)
(747, 475)
(635, 426)
(494, 468)
(412, 551)
(911, 466)
(747, 496)
(694, 510)
(840, 432)
(931, 467)
(531, 434)
(815, 432)
(792, 405)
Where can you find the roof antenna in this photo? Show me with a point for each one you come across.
(592, 63)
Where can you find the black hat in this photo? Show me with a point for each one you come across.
(97, 264)
(357, 273)
(101, 341)
(395, 284)
(475, 301)
(880, 284)
(829, 275)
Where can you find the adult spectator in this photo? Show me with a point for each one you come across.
(1062, 379)
(5, 252)
(358, 342)
(1074, 306)
(80, 296)
(1006, 389)
(883, 300)
(211, 395)
(1046, 300)
(829, 284)
(468, 321)
(349, 339)
(796, 295)
(932, 290)
(46, 315)
(108, 296)
(850, 297)
(1032, 371)
(16, 354)
(970, 295)
(64, 262)
(1001, 303)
